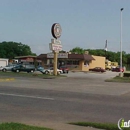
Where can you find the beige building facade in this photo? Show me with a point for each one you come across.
(98, 62)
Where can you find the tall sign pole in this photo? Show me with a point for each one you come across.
(55, 44)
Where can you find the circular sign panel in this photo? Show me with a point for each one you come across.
(56, 30)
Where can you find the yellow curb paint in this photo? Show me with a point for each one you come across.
(7, 79)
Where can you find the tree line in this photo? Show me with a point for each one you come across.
(12, 49)
(112, 56)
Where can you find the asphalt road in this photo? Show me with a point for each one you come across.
(80, 97)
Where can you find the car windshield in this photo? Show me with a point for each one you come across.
(18, 65)
(40, 67)
(9, 65)
(62, 66)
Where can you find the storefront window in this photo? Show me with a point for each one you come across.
(45, 61)
(72, 62)
(51, 61)
(86, 63)
(69, 62)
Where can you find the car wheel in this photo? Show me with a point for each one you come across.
(67, 72)
(32, 71)
(17, 71)
(46, 72)
(4, 70)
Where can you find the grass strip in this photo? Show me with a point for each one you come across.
(30, 75)
(18, 126)
(104, 126)
(119, 79)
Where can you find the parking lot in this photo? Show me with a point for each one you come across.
(95, 75)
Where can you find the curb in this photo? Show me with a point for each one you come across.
(6, 79)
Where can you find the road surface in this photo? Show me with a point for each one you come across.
(63, 100)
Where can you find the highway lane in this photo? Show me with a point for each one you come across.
(86, 85)
(39, 105)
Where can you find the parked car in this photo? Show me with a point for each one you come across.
(40, 68)
(1, 68)
(24, 68)
(65, 69)
(50, 70)
(117, 69)
(8, 67)
(98, 69)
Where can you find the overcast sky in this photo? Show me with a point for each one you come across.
(85, 23)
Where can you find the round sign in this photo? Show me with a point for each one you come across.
(56, 30)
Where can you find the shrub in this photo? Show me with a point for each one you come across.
(126, 74)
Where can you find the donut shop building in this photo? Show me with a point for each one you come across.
(81, 62)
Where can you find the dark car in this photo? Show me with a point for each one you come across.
(24, 68)
(118, 69)
(98, 69)
(65, 69)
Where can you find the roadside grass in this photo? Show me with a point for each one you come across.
(18, 126)
(103, 126)
(33, 75)
(119, 79)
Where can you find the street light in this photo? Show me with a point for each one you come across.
(121, 42)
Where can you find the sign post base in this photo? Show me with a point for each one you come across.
(121, 74)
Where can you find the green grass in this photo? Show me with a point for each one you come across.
(18, 126)
(119, 79)
(104, 126)
(34, 75)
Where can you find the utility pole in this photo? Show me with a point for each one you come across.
(121, 42)
(106, 49)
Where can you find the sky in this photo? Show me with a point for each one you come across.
(85, 23)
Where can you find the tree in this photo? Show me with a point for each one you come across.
(77, 50)
(62, 51)
(97, 52)
(112, 56)
(128, 59)
(13, 49)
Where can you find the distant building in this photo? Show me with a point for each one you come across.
(3, 62)
(81, 62)
(28, 60)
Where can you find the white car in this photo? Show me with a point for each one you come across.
(50, 70)
(1, 68)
